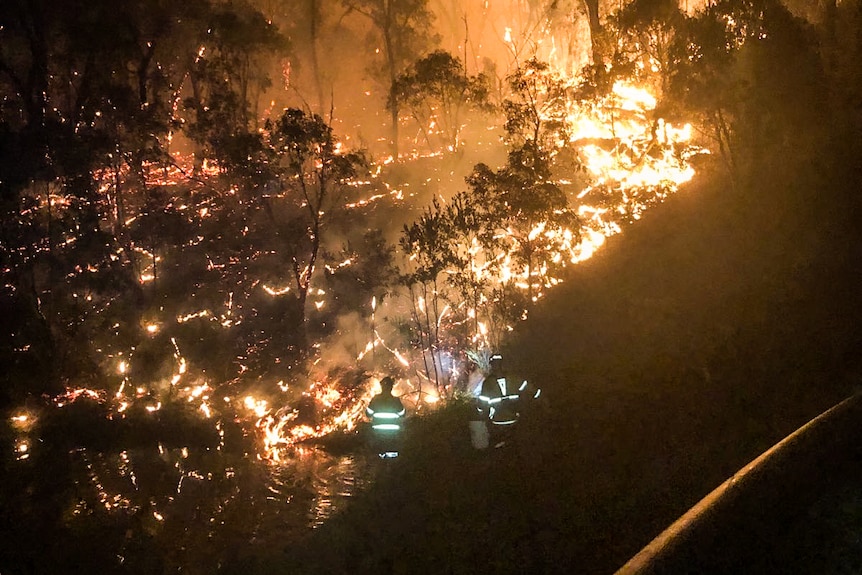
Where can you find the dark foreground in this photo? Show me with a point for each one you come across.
(795, 509)
(691, 344)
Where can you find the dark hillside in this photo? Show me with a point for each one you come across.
(698, 338)
(709, 284)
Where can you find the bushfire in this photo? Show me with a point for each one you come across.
(630, 159)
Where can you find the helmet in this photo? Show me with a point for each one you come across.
(387, 382)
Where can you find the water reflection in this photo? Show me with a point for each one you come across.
(334, 481)
(193, 510)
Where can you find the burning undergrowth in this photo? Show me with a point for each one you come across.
(291, 313)
(272, 291)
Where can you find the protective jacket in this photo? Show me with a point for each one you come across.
(386, 412)
(499, 403)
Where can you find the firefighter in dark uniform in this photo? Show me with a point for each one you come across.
(498, 400)
(387, 414)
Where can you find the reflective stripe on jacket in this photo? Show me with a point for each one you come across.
(386, 412)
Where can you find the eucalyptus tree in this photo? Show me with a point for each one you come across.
(596, 32)
(529, 213)
(313, 178)
(751, 72)
(535, 107)
(91, 95)
(307, 23)
(428, 242)
(228, 74)
(70, 106)
(437, 90)
(495, 247)
(647, 40)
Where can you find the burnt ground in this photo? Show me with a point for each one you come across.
(692, 342)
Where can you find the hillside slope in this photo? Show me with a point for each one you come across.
(698, 338)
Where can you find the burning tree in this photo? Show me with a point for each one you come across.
(495, 247)
(528, 216)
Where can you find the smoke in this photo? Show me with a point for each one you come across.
(346, 346)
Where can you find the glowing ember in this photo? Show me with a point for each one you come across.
(73, 395)
(276, 291)
(20, 420)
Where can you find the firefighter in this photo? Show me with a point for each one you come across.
(498, 400)
(386, 413)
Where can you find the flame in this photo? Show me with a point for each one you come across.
(258, 406)
(280, 432)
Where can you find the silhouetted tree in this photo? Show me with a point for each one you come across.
(498, 245)
(647, 40)
(228, 75)
(428, 242)
(750, 69)
(313, 176)
(536, 105)
(436, 89)
(528, 210)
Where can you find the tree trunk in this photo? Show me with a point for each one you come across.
(420, 332)
(386, 28)
(314, 30)
(142, 73)
(595, 31)
(38, 79)
(198, 154)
